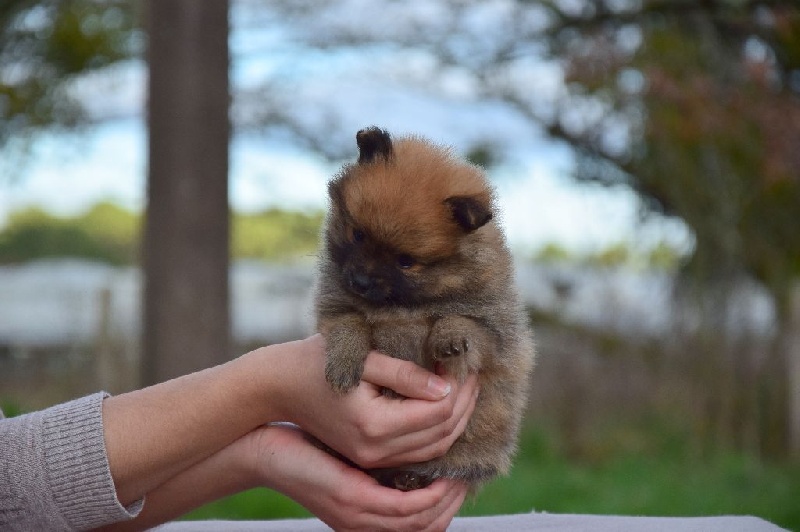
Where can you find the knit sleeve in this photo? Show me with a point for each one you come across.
(54, 472)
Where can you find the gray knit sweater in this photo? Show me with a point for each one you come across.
(54, 472)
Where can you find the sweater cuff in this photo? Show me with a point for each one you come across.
(77, 465)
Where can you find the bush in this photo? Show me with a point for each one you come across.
(275, 234)
(106, 233)
(111, 234)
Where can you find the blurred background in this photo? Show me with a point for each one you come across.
(163, 170)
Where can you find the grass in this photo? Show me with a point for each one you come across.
(661, 477)
(627, 470)
(646, 484)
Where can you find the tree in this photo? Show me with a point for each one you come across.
(650, 91)
(710, 106)
(706, 94)
(186, 241)
(693, 105)
(45, 46)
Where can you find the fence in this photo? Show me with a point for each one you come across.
(614, 346)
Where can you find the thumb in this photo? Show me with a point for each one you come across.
(404, 377)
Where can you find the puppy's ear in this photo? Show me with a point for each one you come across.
(373, 142)
(470, 212)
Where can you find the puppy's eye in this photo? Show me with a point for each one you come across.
(405, 261)
(358, 235)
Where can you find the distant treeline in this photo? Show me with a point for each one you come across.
(112, 234)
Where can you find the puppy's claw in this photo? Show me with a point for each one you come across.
(409, 480)
(403, 480)
(343, 378)
(452, 348)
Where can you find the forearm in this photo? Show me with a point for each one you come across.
(227, 472)
(155, 433)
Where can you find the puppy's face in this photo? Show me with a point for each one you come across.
(400, 218)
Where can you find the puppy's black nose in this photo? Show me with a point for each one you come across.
(360, 283)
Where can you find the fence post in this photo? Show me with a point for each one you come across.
(793, 365)
(106, 367)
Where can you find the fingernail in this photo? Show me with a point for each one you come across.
(438, 387)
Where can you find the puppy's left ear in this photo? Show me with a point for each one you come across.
(470, 212)
(373, 142)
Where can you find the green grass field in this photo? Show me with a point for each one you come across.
(664, 478)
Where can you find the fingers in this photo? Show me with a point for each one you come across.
(410, 415)
(404, 377)
(390, 502)
(430, 508)
(346, 498)
(439, 447)
(435, 440)
(449, 508)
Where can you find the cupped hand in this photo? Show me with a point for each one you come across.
(343, 497)
(369, 428)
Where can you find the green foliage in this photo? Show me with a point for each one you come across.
(44, 46)
(10, 408)
(665, 257)
(553, 253)
(713, 127)
(483, 155)
(621, 254)
(613, 255)
(108, 233)
(276, 234)
(252, 504)
(640, 484)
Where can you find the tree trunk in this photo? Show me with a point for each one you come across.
(186, 294)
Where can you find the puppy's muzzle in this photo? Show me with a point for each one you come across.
(360, 283)
(367, 287)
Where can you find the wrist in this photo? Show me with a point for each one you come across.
(243, 457)
(262, 455)
(275, 373)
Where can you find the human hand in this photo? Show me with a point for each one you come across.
(343, 497)
(367, 427)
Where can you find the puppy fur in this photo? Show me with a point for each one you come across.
(413, 264)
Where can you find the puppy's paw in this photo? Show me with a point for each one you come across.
(402, 479)
(343, 374)
(448, 346)
(409, 480)
(460, 344)
(347, 343)
(391, 394)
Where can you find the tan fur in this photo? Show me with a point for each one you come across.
(414, 265)
(379, 196)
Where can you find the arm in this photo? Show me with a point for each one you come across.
(279, 457)
(162, 440)
(154, 441)
(53, 470)
(154, 433)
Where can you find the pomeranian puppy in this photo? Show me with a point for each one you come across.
(413, 264)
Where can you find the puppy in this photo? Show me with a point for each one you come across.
(413, 264)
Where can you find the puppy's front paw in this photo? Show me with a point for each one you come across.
(448, 346)
(347, 343)
(343, 373)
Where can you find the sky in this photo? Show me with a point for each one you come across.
(539, 202)
(352, 88)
